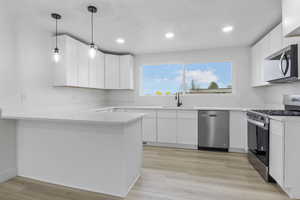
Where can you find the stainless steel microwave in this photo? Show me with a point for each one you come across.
(282, 66)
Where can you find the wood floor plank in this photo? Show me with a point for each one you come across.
(168, 174)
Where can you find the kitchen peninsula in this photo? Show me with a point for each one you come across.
(98, 151)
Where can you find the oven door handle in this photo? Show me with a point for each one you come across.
(256, 123)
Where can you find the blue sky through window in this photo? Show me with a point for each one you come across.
(168, 78)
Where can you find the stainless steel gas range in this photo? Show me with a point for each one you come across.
(259, 136)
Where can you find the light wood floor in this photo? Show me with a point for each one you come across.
(168, 174)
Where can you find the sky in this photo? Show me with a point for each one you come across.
(169, 77)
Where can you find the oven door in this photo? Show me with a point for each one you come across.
(258, 141)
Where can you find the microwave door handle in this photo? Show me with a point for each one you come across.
(282, 58)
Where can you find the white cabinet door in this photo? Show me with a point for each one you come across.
(166, 130)
(260, 51)
(187, 131)
(83, 65)
(266, 51)
(167, 126)
(126, 72)
(290, 17)
(276, 39)
(96, 71)
(112, 72)
(256, 56)
(149, 130)
(66, 70)
(187, 127)
(277, 151)
(238, 131)
(72, 62)
(149, 124)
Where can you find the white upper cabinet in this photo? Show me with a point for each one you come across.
(105, 71)
(267, 46)
(276, 39)
(66, 70)
(96, 71)
(112, 71)
(126, 72)
(259, 52)
(83, 65)
(291, 17)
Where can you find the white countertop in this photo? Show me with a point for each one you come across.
(182, 108)
(91, 116)
(110, 115)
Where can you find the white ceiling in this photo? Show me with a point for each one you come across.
(197, 24)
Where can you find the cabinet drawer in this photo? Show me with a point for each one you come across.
(166, 114)
(276, 127)
(187, 114)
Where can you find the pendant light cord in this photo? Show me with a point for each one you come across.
(56, 33)
(92, 23)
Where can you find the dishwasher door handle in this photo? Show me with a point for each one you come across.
(209, 115)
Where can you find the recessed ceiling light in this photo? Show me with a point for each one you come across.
(120, 40)
(227, 29)
(169, 35)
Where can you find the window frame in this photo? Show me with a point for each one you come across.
(141, 70)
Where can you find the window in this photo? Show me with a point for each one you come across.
(190, 78)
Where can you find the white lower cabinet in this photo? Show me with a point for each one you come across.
(163, 127)
(187, 127)
(284, 155)
(149, 123)
(177, 127)
(238, 131)
(166, 127)
(277, 151)
(149, 130)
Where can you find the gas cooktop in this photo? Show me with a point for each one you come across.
(278, 112)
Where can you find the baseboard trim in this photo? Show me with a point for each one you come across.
(8, 174)
(119, 194)
(131, 185)
(181, 146)
(237, 150)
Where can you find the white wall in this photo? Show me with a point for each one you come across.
(8, 83)
(243, 95)
(34, 43)
(8, 92)
(273, 95)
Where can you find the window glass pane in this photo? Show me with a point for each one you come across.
(208, 78)
(161, 79)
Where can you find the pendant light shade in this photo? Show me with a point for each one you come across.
(93, 48)
(56, 53)
(92, 51)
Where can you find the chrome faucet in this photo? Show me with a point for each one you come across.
(178, 99)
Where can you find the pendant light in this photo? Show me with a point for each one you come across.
(93, 48)
(56, 55)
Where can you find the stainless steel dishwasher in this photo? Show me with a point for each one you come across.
(213, 130)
